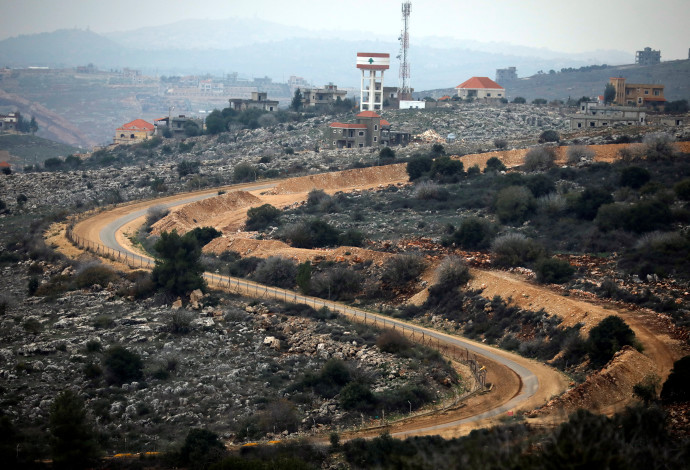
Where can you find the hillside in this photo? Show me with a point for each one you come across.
(30, 149)
(675, 75)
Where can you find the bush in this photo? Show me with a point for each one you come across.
(180, 322)
(259, 218)
(276, 271)
(500, 144)
(203, 235)
(243, 173)
(332, 377)
(122, 365)
(682, 190)
(494, 164)
(519, 100)
(553, 270)
(418, 166)
(514, 204)
(515, 249)
(94, 275)
(154, 214)
(677, 385)
(552, 203)
(540, 185)
(200, 449)
(607, 338)
(549, 136)
(391, 341)
(588, 202)
(178, 269)
(579, 154)
(634, 177)
(446, 169)
(452, 272)
(72, 441)
(186, 167)
(474, 233)
(336, 283)
(539, 158)
(659, 146)
(401, 269)
(351, 237)
(311, 234)
(428, 190)
(386, 153)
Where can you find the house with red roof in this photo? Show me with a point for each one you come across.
(370, 130)
(133, 132)
(480, 88)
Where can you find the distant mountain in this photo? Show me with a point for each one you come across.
(256, 48)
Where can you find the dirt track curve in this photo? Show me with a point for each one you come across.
(518, 383)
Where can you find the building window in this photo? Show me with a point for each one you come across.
(334, 142)
(639, 100)
(488, 94)
(657, 92)
(360, 133)
(376, 127)
(646, 92)
(604, 123)
(361, 145)
(131, 136)
(579, 124)
(376, 139)
(592, 124)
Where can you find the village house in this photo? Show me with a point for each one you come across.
(370, 130)
(259, 100)
(320, 97)
(594, 114)
(176, 125)
(9, 122)
(480, 88)
(637, 94)
(133, 132)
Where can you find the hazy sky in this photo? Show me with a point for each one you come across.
(562, 25)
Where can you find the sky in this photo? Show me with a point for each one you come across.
(560, 25)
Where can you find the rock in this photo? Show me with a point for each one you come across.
(176, 305)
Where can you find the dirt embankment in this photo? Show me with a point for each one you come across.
(356, 178)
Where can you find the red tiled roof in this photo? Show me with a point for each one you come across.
(4, 165)
(385, 123)
(137, 124)
(444, 98)
(347, 126)
(651, 98)
(368, 114)
(479, 83)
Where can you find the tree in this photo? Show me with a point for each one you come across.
(549, 136)
(519, 100)
(296, 103)
(609, 93)
(304, 277)
(258, 218)
(607, 338)
(72, 440)
(187, 167)
(178, 269)
(677, 386)
(276, 271)
(200, 449)
(494, 164)
(387, 153)
(244, 172)
(554, 270)
(514, 204)
(418, 166)
(122, 365)
(33, 125)
(215, 122)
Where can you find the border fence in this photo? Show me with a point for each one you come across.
(251, 289)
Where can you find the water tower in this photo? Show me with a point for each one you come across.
(371, 91)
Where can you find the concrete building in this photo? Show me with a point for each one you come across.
(647, 57)
(9, 122)
(134, 132)
(637, 94)
(176, 124)
(321, 97)
(370, 130)
(371, 89)
(505, 76)
(412, 104)
(592, 114)
(480, 88)
(259, 100)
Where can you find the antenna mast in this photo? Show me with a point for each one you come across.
(404, 92)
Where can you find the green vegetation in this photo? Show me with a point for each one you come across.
(178, 268)
(72, 438)
(607, 338)
(259, 218)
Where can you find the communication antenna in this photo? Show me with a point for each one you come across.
(404, 92)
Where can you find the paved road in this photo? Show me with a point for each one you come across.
(529, 381)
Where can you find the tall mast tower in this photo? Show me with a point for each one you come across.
(404, 92)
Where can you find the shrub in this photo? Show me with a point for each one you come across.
(540, 185)
(387, 153)
(677, 385)
(276, 271)
(401, 269)
(391, 341)
(552, 203)
(351, 237)
(72, 441)
(500, 144)
(200, 449)
(634, 177)
(311, 234)
(579, 154)
(33, 285)
(539, 158)
(452, 272)
(682, 190)
(608, 337)
(336, 283)
(553, 270)
(203, 235)
(243, 172)
(178, 269)
(494, 164)
(180, 322)
(94, 275)
(446, 169)
(303, 277)
(357, 396)
(428, 190)
(474, 170)
(514, 204)
(122, 365)
(259, 218)
(659, 146)
(186, 167)
(549, 136)
(418, 166)
(474, 233)
(332, 377)
(588, 202)
(515, 249)
(154, 214)
(519, 100)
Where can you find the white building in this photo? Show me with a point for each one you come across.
(480, 88)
